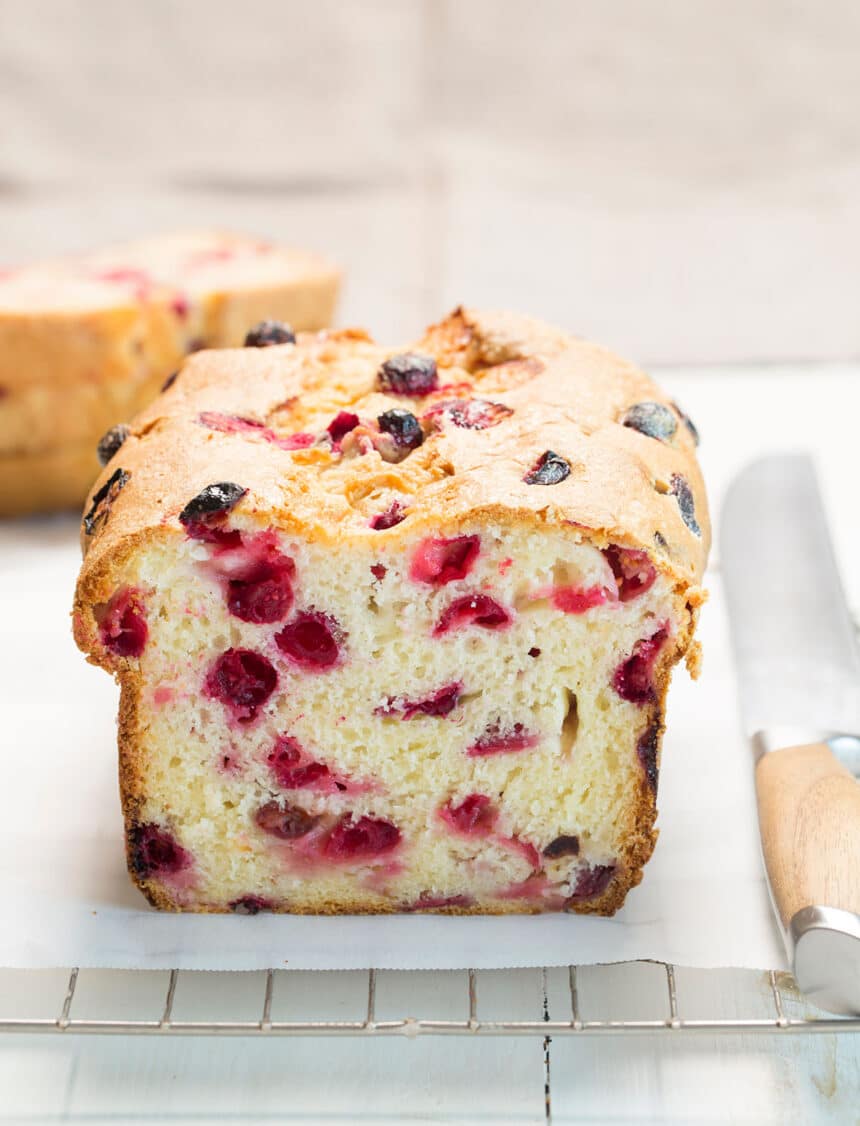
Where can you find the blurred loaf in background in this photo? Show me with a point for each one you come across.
(86, 342)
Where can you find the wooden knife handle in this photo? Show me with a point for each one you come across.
(809, 817)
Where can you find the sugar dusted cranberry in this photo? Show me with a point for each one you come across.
(592, 882)
(264, 594)
(686, 504)
(379, 571)
(393, 515)
(104, 499)
(654, 420)
(576, 600)
(341, 424)
(250, 905)
(154, 852)
(441, 703)
(213, 501)
(404, 428)
(267, 333)
(242, 680)
(688, 422)
(565, 845)
(123, 629)
(550, 469)
(633, 570)
(440, 561)
(633, 677)
(311, 640)
(362, 839)
(204, 515)
(475, 816)
(534, 652)
(409, 373)
(647, 748)
(473, 610)
(497, 740)
(287, 822)
(111, 441)
(469, 414)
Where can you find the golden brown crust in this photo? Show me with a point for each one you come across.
(619, 486)
(566, 395)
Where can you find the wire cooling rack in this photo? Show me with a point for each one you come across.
(572, 1021)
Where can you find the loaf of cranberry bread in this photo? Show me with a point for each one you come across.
(394, 629)
(86, 342)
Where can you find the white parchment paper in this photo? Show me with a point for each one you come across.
(65, 897)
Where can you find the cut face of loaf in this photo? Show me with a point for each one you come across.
(371, 675)
(86, 342)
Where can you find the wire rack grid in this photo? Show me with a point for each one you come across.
(574, 1023)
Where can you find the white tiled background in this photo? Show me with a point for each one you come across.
(680, 179)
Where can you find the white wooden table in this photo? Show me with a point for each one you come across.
(664, 1076)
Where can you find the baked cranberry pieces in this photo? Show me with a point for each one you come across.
(633, 570)
(426, 901)
(440, 561)
(294, 770)
(474, 816)
(104, 499)
(250, 905)
(576, 600)
(440, 703)
(633, 679)
(473, 610)
(342, 423)
(264, 593)
(154, 852)
(123, 629)
(360, 840)
(235, 424)
(592, 882)
(204, 514)
(647, 747)
(111, 441)
(410, 373)
(497, 740)
(229, 423)
(654, 420)
(686, 504)
(311, 641)
(393, 515)
(267, 333)
(243, 681)
(549, 469)
(688, 422)
(469, 414)
(403, 428)
(284, 821)
(565, 845)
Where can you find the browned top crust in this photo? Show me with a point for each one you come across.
(564, 395)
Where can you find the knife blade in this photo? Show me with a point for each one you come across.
(799, 688)
(792, 634)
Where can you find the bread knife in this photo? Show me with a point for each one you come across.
(798, 674)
